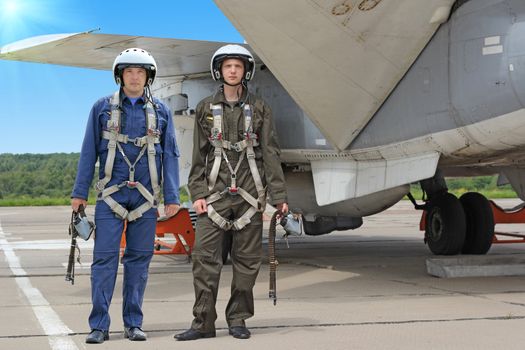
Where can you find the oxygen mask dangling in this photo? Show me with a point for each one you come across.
(83, 226)
(292, 224)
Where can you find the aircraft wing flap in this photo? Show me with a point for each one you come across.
(338, 59)
(90, 50)
(336, 180)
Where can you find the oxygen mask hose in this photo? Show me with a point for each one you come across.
(70, 273)
(271, 255)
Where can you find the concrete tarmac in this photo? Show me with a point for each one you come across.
(362, 289)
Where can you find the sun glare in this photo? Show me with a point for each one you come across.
(10, 7)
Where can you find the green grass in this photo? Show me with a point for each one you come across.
(486, 185)
(492, 193)
(25, 201)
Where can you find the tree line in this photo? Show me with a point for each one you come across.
(37, 177)
(47, 179)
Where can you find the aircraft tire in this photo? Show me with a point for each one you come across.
(445, 225)
(480, 223)
(227, 242)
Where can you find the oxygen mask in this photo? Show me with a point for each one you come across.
(292, 224)
(83, 226)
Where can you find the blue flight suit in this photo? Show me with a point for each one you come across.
(140, 234)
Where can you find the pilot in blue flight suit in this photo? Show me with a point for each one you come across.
(132, 135)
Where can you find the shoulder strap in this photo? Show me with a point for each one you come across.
(151, 136)
(216, 135)
(113, 127)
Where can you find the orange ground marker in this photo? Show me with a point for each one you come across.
(502, 216)
(179, 226)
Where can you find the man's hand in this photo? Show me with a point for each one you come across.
(283, 208)
(171, 209)
(76, 202)
(200, 206)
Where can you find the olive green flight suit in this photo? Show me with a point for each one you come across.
(247, 242)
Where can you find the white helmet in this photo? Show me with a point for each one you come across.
(134, 57)
(232, 51)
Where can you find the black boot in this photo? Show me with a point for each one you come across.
(134, 334)
(193, 334)
(97, 336)
(239, 332)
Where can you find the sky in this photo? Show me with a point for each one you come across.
(45, 107)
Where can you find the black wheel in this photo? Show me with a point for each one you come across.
(227, 241)
(480, 223)
(445, 225)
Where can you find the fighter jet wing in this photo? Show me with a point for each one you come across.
(339, 59)
(89, 50)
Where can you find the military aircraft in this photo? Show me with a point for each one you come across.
(368, 96)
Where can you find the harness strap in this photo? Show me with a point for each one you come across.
(114, 128)
(250, 155)
(153, 134)
(216, 134)
(123, 138)
(123, 213)
(237, 224)
(116, 208)
(237, 146)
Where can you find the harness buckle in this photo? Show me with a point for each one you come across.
(99, 186)
(131, 184)
(113, 125)
(236, 147)
(153, 132)
(233, 191)
(216, 134)
(137, 141)
(251, 136)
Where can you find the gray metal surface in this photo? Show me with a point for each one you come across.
(452, 84)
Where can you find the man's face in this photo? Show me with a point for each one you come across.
(232, 70)
(134, 81)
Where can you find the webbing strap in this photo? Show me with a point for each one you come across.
(237, 224)
(214, 173)
(216, 134)
(218, 220)
(124, 213)
(131, 166)
(244, 220)
(113, 129)
(123, 138)
(250, 155)
(237, 146)
(150, 137)
(116, 208)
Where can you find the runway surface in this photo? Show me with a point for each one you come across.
(362, 289)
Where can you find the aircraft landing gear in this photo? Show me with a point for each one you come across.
(445, 225)
(480, 223)
(453, 226)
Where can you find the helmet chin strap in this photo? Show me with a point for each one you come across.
(240, 83)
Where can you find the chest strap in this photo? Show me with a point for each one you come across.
(147, 145)
(245, 147)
